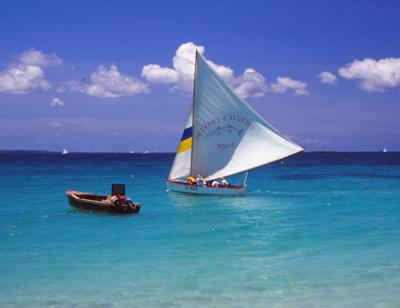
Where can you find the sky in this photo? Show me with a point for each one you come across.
(116, 76)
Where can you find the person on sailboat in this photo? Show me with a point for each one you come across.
(191, 180)
(224, 182)
(200, 181)
(214, 183)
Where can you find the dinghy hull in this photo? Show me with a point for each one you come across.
(205, 190)
(99, 203)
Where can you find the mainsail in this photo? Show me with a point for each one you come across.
(226, 135)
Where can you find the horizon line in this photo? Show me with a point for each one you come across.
(3, 151)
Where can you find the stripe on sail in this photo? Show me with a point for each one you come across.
(185, 145)
(186, 140)
(187, 133)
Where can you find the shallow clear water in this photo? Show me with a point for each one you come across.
(319, 229)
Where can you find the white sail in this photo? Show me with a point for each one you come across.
(229, 137)
(181, 166)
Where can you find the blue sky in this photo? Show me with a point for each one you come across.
(100, 75)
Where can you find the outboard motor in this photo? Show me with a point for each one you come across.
(118, 190)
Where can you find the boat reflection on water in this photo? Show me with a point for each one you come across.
(250, 201)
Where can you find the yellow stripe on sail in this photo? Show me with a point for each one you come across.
(184, 145)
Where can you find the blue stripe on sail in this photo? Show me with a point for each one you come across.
(187, 133)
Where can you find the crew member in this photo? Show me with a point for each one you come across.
(200, 181)
(214, 183)
(191, 180)
(224, 181)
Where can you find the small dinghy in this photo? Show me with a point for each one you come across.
(118, 202)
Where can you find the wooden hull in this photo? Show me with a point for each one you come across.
(98, 203)
(205, 190)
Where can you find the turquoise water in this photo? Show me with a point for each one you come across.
(318, 230)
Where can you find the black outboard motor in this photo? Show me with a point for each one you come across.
(118, 193)
(118, 189)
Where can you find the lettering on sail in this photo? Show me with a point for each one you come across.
(225, 124)
(225, 146)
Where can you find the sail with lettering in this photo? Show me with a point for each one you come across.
(226, 135)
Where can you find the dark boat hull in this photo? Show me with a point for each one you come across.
(88, 201)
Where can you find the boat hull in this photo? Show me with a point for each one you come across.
(205, 190)
(81, 200)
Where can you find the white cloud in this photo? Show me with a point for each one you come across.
(157, 74)
(56, 102)
(38, 58)
(327, 77)
(249, 84)
(182, 71)
(22, 78)
(374, 75)
(27, 73)
(109, 83)
(283, 84)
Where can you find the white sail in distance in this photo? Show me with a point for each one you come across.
(229, 137)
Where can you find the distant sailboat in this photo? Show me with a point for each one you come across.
(384, 150)
(223, 136)
(64, 151)
(146, 152)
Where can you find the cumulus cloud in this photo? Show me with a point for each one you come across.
(182, 71)
(56, 102)
(249, 84)
(38, 58)
(27, 74)
(109, 83)
(327, 77)
(21, 78)
(157, 74)
(283, 84)
(373, 75)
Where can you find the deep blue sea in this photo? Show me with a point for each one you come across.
(315, 230)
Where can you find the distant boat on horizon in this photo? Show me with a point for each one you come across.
(384, 150)
(132, 152)
(146, 152)
(64, 151)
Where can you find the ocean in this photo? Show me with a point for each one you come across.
(314, 230)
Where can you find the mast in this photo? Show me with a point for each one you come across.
(193, 100)
(245, 178)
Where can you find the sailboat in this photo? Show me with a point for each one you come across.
(223, 136)
(64, 151)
